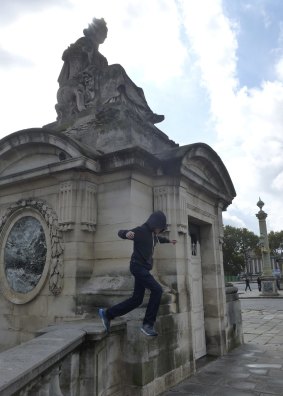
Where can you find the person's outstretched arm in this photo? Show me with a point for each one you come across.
(128, 234)
(162, 239)
(122, 233)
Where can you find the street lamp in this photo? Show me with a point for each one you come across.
(269, 287)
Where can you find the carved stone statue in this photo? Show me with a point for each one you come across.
(87, 81)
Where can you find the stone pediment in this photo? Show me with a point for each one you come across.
(202, 166)
(36, 148)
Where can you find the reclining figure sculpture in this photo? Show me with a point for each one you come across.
(86, 81)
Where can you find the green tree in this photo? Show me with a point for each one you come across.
(276, 243)
(238, 243)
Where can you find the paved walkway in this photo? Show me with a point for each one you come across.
(254, 293)
(253, 369)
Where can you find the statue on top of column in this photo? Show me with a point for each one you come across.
(86, 81)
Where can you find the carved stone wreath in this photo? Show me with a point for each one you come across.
(57, 249)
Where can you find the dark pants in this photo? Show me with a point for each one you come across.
(143, 280)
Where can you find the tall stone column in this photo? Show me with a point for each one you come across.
(269, 287)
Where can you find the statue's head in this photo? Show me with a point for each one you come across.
(96, 31)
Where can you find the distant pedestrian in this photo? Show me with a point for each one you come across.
(259, 283)
(248, 284)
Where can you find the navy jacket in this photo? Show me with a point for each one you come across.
(145, 239)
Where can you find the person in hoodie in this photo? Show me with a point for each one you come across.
(145, 237)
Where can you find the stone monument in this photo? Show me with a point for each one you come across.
(87, 81)
(66, 190)
(269, 287)
(98, 96)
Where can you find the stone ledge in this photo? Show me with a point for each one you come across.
(22, 364)
(93, 329)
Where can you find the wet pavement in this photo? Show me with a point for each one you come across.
(253, 369)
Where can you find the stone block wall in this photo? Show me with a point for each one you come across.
(88, 197)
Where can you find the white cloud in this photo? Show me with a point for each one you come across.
(10, 10)
(148, 39)
(279, 69)
(248, 122)
(8, 60)
(277, 183)
(234, 221)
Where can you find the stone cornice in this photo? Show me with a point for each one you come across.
(43, 171)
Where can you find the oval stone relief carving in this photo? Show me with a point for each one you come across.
(25, 254)
(31, 252)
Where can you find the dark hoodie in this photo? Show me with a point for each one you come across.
(145, 239)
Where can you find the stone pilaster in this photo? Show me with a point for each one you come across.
(172, 200)
(89, 207)
(66, 205)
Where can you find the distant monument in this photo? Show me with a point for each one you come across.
(269, 285)
(87, 81)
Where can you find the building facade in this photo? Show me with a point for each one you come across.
(66, 190)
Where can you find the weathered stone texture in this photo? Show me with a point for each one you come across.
(103, 168)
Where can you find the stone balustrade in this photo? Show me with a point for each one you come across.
(78, 359)
(69, 359)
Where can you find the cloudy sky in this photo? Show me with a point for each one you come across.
(213, 68)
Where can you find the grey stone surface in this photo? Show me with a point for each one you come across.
(30, 367)
(263, 322)
(101, 167)
(249, 370)
(253, 369)
(82, 199)
(22, 364)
